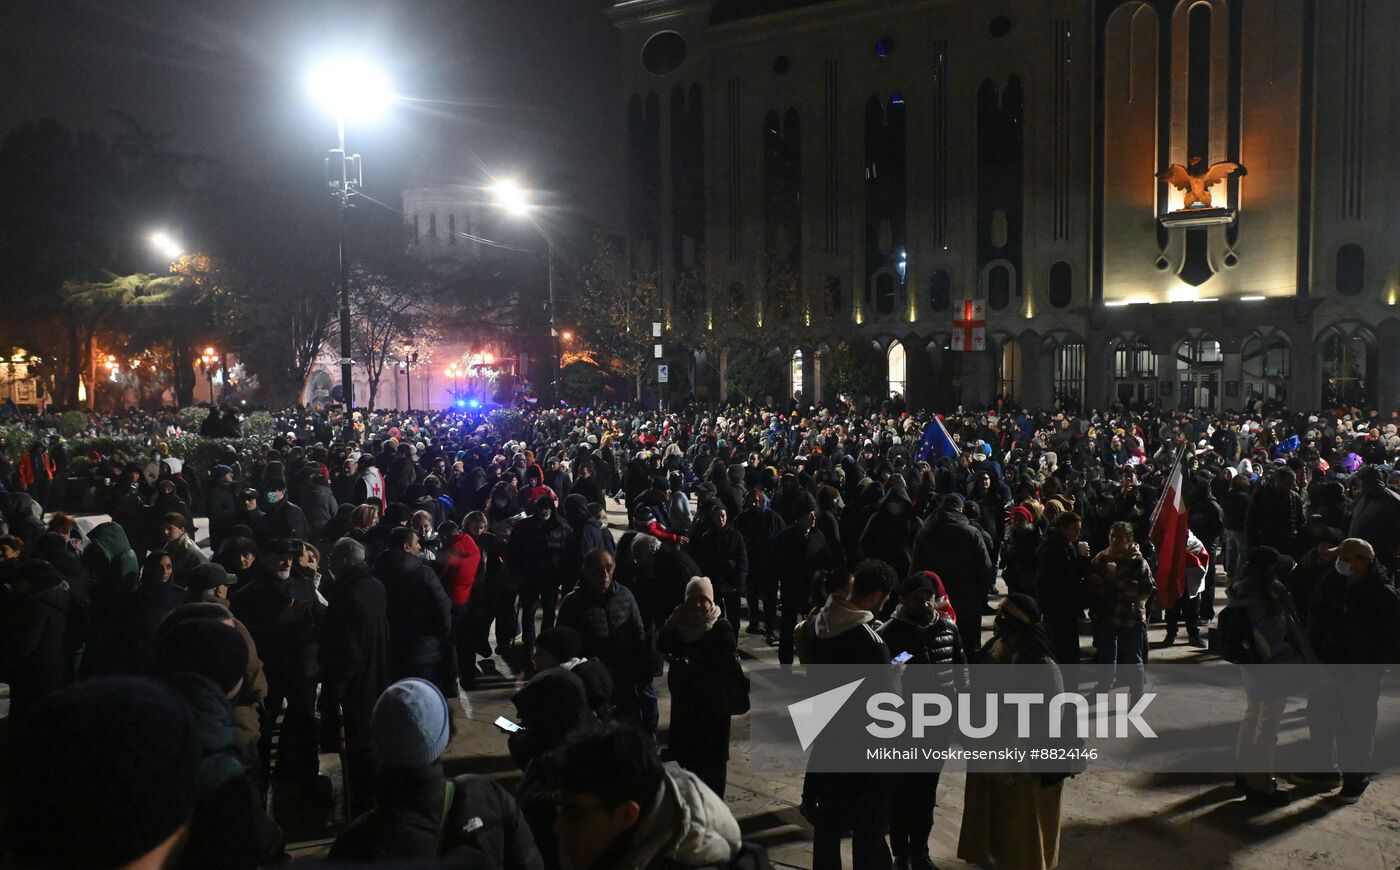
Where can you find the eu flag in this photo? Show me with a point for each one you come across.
(936, 443)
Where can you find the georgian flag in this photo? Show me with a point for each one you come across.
(1168, 534)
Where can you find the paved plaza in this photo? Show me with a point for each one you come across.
(1110, 820)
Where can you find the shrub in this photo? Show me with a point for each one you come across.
(70, 423)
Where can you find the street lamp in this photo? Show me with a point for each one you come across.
(454, 371)
(166, 246)
(517, 201)
(410, 356)
(349, 88)
(209, 361)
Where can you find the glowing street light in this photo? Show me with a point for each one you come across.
(516, 200)
(166, 246)
(511, 197)
(348, 87)
(567, 336)
(209, 361)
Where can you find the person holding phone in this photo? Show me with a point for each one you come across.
(924, 631)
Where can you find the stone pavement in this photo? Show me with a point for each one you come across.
(1110, 820)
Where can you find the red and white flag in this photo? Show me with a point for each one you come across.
(1169, 526)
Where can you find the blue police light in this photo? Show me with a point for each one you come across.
(461, 403)
(473, 403)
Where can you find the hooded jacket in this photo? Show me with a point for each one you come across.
(952, 547)
(686, 825)
(841, 633)
(889, 533)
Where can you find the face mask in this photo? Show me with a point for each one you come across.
(272, 498)
(1343, 568)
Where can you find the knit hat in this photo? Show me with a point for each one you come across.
(561, 642)
(409, 727)
(206, 647)
(1021, 511)
(102, 772)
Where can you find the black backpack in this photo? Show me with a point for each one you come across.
(1234, 638)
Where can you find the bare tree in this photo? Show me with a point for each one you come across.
(386, 313)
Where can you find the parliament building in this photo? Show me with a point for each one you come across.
(1194, 202)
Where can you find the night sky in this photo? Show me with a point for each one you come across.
(526, 85)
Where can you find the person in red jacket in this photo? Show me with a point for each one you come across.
(534, 489)
(461, 564)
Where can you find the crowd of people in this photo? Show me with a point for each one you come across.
(364, 570)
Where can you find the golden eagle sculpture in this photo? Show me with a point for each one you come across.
(1197, 181)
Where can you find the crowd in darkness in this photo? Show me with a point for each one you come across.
(360, 572)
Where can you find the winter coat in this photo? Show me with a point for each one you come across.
(542, 554)
(685, 825)
(722, 556)
(1355, 620)
(35, 648)
(222, 503)
(408, 815)
(1018, 559)
(797, 556)
(1118, 586)
(699, 699)
(282, 520)
(889, 536)
(318, 505)
(288, 649)
(954, 548)
(937, 643)
(610, 626)
(759, 527)
(1059, 576)
(1275, 519)
(1375, 519)
(551, 705)
(419, 615)
(354, 649)
(229, 828)
(461, 565)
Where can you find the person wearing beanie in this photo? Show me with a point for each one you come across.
(102, 774)
(1012, 820)
(701, 646)
(418, 812)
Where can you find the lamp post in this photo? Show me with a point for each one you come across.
(410, 356)
(348, 87)
(454, 371)
(516, 201)
(209, 361)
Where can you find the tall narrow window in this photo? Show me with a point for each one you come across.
(1351, 269)
(452, 229)
(797, 383)
(1069, 375)
(432, 228)
(1061, 284)
(940, 290)
(1009, 371)
(898, 369)
(885, 198)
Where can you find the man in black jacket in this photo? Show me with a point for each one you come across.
(799, 552)
(1061, 565)
(609, 626)
(1353, 619)
(418, 610)
(281, 518)
(952, 547)
(355, 659)
(1275, 517)
(759, 525)
(930, 638)
(719, 550)
(283, 613)
(845, 633)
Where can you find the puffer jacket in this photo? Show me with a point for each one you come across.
(610, 626)
(936, 643)
(952, 547)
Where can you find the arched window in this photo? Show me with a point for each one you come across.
(1199, 365)
(432, 228)
(998, 287)
(1009, 371)
(417, 233)
(1061, 284)
(1135, 371)
(884, 293)
(1347, 366)
(1268, 364)
(940, 290)
(1351, 270)
(452, 229)
(1069, 374)
(898, 368)
(797, 384)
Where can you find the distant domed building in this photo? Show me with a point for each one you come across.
(443, 203)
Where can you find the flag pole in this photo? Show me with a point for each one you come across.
(1162, 499)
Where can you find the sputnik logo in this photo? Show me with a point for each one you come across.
(811, 715)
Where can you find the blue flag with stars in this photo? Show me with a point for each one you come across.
(936, 443)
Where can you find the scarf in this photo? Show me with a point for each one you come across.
(689, 623)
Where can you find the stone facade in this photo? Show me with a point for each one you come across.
(863, 166)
